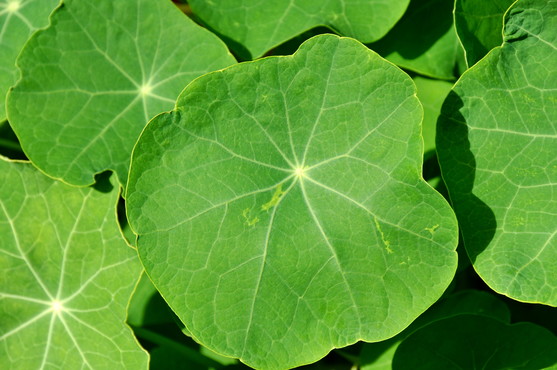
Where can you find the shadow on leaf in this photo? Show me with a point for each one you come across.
(458, 167)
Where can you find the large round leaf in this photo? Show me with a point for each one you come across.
(280, 207)
(66, 275)
(91, 81)
(253, 27)
(18, 20)
(497, 145)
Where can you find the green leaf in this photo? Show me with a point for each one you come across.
(497, 146)
(424, 40)
(146, 305)
(479, 26)
(431, 93)
(18, 20)
(169, 354)
(375, 356)
(477, 342)
(67, 275)
(253, 27)
(91, 81)
(280, 208)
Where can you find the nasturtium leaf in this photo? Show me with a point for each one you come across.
(18, 20)
(477, 342)
(497, 146)
(431, 93)
(94, 77)
(146, 306)
(67, 275)
(376, 356)
(479, 26)
(280, 207)
(424, 40)
(253, 27)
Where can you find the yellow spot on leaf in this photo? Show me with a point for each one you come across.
(274, 200)
(385, 241)
(432, 229)
(249, 221)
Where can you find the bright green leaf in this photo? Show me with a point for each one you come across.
(376, 356)
(253, 27)
(18, 20)
(67, 275)
(280, 208)
(477, 342)
(91, 81)
(424, 40)
(479, 26)
(497, 146)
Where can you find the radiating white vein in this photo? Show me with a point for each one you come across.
(23, 255)
(332, 251)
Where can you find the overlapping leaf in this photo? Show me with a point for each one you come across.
(91, 81)
(431, 93)
(477, 342)
(479, 26)
(253, 27)
(497, 145)
(425, 41)
(66, 273)
(18, 20)
(280, 207)
(379, 356)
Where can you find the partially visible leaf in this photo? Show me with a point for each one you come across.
(479, 26)
(431, 93)
(94, 77)
(424, 40)
(375, 356)
(477, 342)
(146, 305)
(536, 313)
(169, 354)
(18, 20)
(281, 210)
(497, 146)
(67, 275)
(253, 27)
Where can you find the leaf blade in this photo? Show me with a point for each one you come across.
(260, 223)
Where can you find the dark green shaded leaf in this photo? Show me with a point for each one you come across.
(375, 356)
(479, 26)
(424, 40)
(477, 342)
